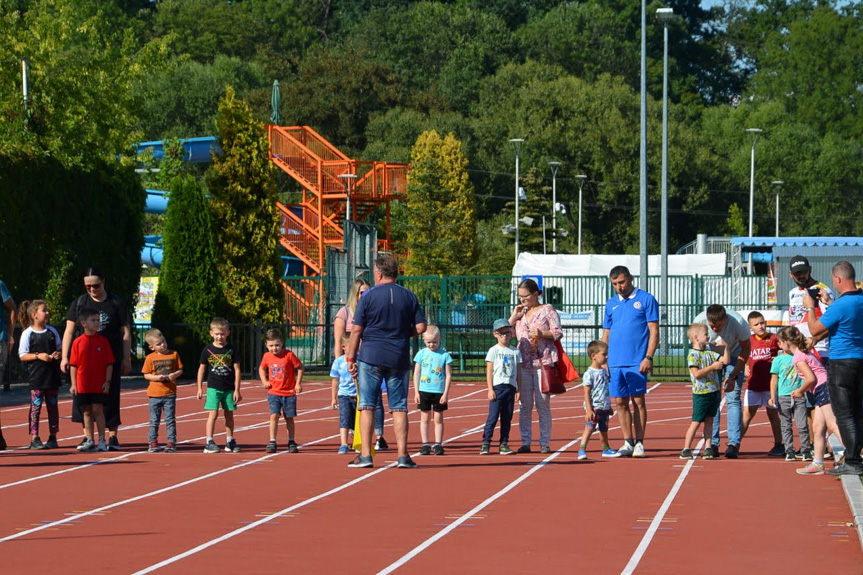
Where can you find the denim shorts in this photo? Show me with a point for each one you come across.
(369, 386)
(626, 381)
(282, 404)
(347, 411)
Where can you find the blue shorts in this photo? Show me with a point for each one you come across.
(600, 419)
(822, 396)
(369, 380)
(347, 411)
(626, 381)
(282, 404)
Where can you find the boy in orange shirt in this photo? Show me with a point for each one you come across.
(281, 375)
(161, 369)
(90, 365)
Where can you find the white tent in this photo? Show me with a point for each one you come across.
(600, 265)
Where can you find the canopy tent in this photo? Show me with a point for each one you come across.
(600, 265)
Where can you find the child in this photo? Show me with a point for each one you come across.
(784, 380)
(814, 376)
(432, 380)
(344, 395)
(223, 383)
(764, 347)
(281, 374)
(91, 363)
(161, 369)
(597, 403)
(704, 369)
(503, 377)
(39, 347)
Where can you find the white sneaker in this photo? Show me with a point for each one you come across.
(638, 451)
(625, 451)
(102, 446)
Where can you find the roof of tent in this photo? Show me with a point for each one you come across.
(600, 264)
(804, 241)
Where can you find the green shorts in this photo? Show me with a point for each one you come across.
(704, 405)
(217, 397)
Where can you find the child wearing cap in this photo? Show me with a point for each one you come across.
(503, 377)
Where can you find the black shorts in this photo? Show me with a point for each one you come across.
(91, 398)
(431, 401)
(112, 401)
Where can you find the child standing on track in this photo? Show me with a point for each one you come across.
(344, 395)
(704, 369)
(281, 374)
(161, 369)
(784, 380)
(814, 376)
(432, 380)
(597, 402)
(503, 377)
(220, 362)
(91, 363)
(39, 347)
(763, 348)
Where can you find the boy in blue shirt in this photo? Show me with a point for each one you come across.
(344, 396)
(783, 380)
(597, 402)
(432, 380)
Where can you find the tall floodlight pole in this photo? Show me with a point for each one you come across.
(580, 178)
(664, 15)
(777, 184)
(554, 166)
(753, 135)
(516, 145)
(349, 180)
(642, 197)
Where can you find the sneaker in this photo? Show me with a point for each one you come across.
(790, 455)
(86, 445)
(292, 447)
(610, 453)
(342, 450)
(504, 449)
(846, 469)
(582, 454)
(82, 444)
(524, 449)
(685, 454)
(211, 447)
(231, 446)
(732, 451)
(113, 443)
(362, 461)
(807, 455)
(811, 469)
(437, 449)
(799, 453)
(544, 449)
(170, 447)
(828, 455)
(638, 450)
(484, 449)
(839, 460)
(381, 444)
(405, 462)
(154, 447)
(2, 442)
(625, 450)
(425, 449)
(777, 451)
(102, 446)
(707, 453)
(51, 443)
(36, 443)
(271, 447)
(715, 450)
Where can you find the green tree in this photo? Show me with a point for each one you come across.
(244, 215)
(441, 235)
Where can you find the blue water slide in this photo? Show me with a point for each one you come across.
(151, 253)
(157, 202)
(195, 150)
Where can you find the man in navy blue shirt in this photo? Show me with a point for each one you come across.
(386, 319)
(843, 320)
(631, 330)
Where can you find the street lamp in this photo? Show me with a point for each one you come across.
(642, 196)
(664, 15)
(753, 135)
(554, 166)
(777, 184)
(516, 145)
(580, 178)
(349, 181)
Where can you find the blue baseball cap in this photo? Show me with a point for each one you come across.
(500, 323)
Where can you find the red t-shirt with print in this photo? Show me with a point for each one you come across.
(760, 359)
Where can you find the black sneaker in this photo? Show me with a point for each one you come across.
(381, 444)
(211, 447)
(544, 449)
(807, 455)
(732, 451)
(799, 453)
(846, 469)
(777, 451)
(708, 453)
(293, 447)
(483, 450)
(271, 447)
(790, 455)
(685, 454)
(52, 442)
(36, 443)
(232, 447)
(425, 449)
(438, 449)
(524, 449)
(82, 444)
(362, 461)
(2, 442)
(113, 443)
(715, 450)
(405, 462)
(170, 447)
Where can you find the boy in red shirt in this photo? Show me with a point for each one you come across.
(281, 374)
(91, 363)
(765, 347)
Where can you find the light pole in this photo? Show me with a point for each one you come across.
(349, 180)
(554, 166)
(664, 15)
(777, 184)
(753, 136)
(516, 145)
(642, 196)
(580, 179)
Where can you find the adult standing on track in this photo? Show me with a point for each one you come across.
(801, 273)
(386, 319)
(537, 326)
(114, 322)
(7, 338)
(342, 325)
(631, 330)
(843, 320)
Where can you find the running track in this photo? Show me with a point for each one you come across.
(136, 512)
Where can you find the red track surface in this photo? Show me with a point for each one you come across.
(460, 513)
